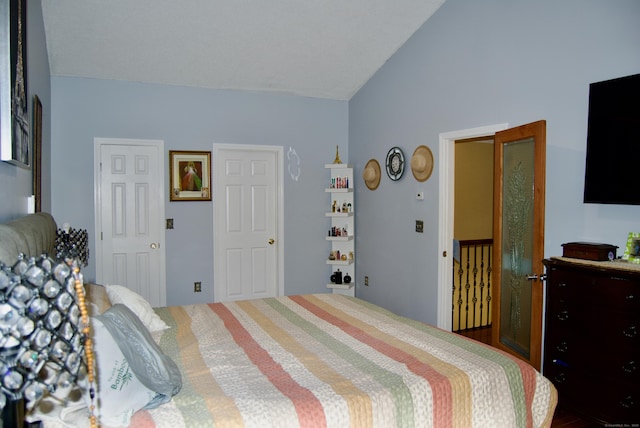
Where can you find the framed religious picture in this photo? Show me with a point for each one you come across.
(14, 104)
(189, 176)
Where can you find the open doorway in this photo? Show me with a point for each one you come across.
(473, 238)
(446, 213)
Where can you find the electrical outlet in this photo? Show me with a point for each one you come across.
(419, 226)
(197, 287)
(169, 223)
(366, 280)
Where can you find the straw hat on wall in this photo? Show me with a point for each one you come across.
(371, 174)
(422, 163)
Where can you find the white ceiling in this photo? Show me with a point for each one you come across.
(315, 48)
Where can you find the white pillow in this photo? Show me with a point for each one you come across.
(119, 392)
(138, 305)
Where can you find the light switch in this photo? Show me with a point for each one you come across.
(419, 226)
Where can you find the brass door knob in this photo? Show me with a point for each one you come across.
(271, 241)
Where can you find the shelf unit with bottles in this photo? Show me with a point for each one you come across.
(341, 231)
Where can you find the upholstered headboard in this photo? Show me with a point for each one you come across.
(32, 235)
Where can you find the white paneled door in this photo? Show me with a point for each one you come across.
(129, 209)
(247, 241)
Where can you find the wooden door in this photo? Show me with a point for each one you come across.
(519, 196)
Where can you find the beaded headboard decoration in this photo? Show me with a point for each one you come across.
(45, 340)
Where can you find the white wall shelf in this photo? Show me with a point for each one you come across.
(340, 286)
(340, 262)
(349, 214)
(340, 212)
(340, 238)
(330, 190)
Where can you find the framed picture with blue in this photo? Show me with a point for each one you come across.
(189, 175)
(15, 144)
(632, 249)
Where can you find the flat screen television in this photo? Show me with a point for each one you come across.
(612, 172)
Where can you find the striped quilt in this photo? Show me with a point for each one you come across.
(329, 360)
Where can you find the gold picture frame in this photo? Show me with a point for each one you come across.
(189, 175)
(632, 249)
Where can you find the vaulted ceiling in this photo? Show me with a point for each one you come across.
(315, 48)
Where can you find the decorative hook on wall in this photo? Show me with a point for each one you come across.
(294, 164)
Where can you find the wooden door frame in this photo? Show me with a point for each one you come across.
(537, 129)
(159, 144)
(279, 169)
(446, 198)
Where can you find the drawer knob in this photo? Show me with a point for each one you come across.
(630, 297)
(631, 331)
(563, 315)
(562, 346)
(562, 284)
(629, 367)
(561, 378)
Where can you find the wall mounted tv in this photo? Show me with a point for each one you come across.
(612, 170)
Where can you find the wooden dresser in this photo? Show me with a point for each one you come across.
(592, 338)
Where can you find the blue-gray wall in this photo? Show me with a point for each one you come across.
(194, 119)
(15, 182)
(478, 63)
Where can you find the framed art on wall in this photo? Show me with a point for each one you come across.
(190, 176)
(632, 249)
(37, 153)
(14, 105)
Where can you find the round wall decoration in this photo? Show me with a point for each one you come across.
(371, 174)
(422, 163)
(395, 163)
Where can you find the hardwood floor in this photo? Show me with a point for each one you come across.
(481, 334)
(565, 419)
(562, 418)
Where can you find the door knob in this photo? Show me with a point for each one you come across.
(271, 241)
(154, 245)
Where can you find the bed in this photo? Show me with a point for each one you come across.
(319, 360)
(332, 360)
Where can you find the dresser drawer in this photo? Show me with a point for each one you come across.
(563, 284)
(607, 293)
(615, 333)
(564, 312)
(618, 337)
(616, 403)
(622, 363)
(570, 385)
(605, 400)
(616, 294)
